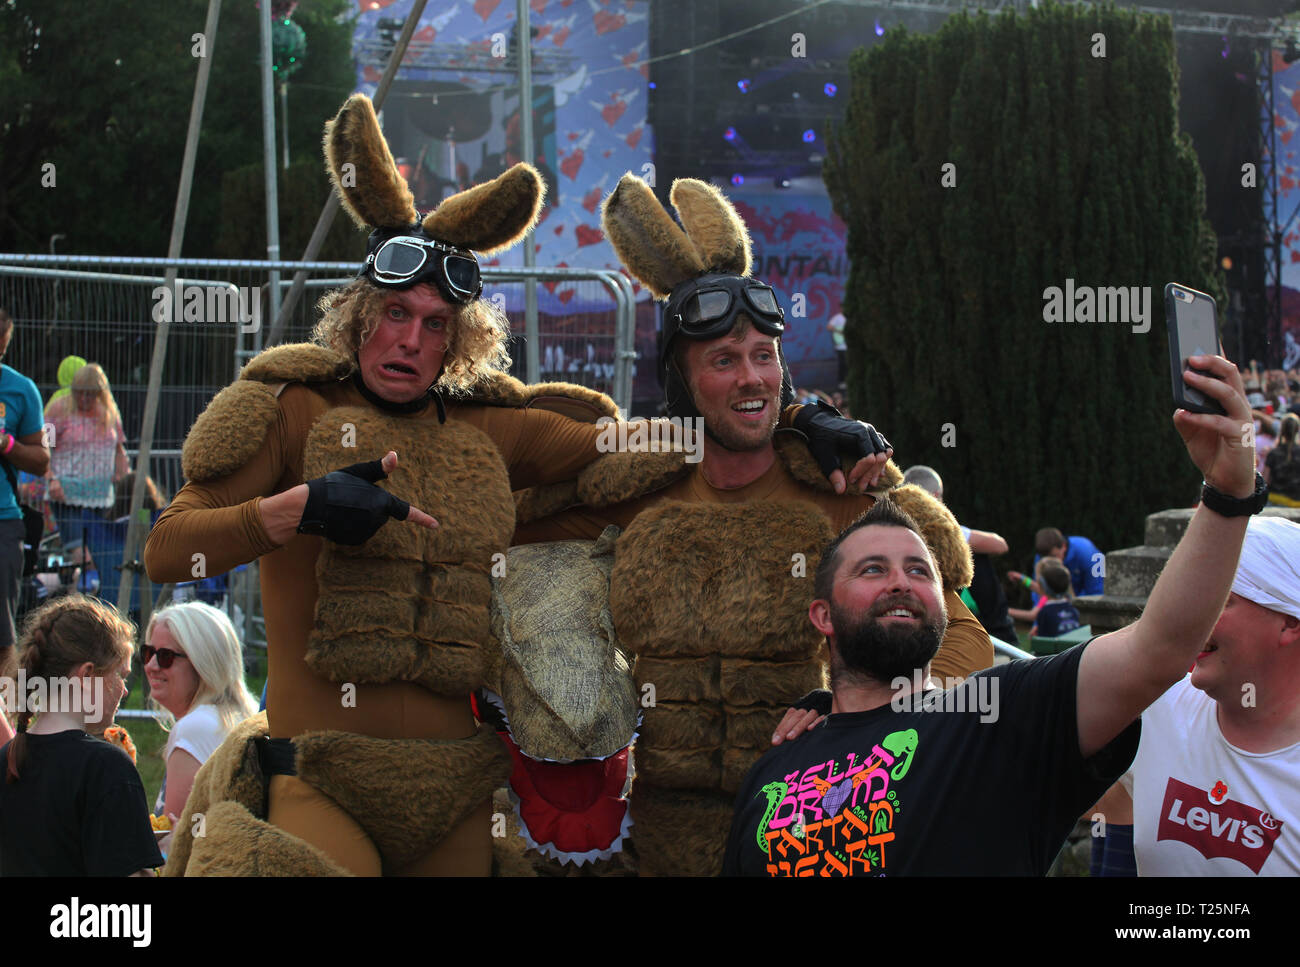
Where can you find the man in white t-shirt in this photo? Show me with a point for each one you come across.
(1216, 780)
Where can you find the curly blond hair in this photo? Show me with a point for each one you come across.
(476, 347)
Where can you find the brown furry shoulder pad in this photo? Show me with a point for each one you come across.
(303, 362)
(792, 448)
(228, 432)
(941, 532)
(231, 429)
(568, 399)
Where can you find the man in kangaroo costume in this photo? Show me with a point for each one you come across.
(369, 759)
(712, 577)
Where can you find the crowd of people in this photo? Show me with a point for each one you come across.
(371, 758)
(1274, 398)
(83, 493)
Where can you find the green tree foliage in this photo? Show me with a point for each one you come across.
(1067, 166)
(302, 191)
(103, 92)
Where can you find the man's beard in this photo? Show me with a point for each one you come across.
(741, 439)
(866, 647)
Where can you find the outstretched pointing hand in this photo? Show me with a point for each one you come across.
(346, 507)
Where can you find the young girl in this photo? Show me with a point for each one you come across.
(1057, 614)
(70, 803)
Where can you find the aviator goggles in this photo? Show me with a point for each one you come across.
(706, 308)
(402, 261)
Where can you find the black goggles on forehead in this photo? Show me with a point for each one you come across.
(709, 307)
(406, 260)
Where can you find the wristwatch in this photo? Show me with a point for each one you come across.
(1227, 506)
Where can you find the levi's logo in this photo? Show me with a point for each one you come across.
(1214, 825)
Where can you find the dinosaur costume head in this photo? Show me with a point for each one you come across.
(487, 219)
(701, 269)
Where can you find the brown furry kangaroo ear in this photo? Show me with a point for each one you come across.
(713, 225)
(492, 216)
(646, 238)
(372, 190)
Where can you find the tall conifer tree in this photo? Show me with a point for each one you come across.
(1068, 164)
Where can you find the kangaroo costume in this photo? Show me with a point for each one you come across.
(369, 759)
(376, 763)
(710, 588)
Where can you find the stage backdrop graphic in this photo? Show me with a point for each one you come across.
(799, 251)
(454, 126)
(1286, 119)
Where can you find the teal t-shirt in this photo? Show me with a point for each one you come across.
(20, 414)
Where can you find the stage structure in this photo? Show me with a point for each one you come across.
(759, 135)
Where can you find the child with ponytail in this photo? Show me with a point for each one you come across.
(70, 803)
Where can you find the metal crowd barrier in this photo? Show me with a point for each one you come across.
(101, 308)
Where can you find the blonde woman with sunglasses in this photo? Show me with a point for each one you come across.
(195, 666)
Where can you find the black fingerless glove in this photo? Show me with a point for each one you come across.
(831, 435)
(818, 700)
(346, 507)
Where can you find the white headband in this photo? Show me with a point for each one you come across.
(1269, 571)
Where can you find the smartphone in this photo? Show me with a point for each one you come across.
(1193, 331)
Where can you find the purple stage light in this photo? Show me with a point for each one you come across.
(830, 90)
(743, 84)
(880, 31)
(729, 134)
(809, 136)
(737, 179)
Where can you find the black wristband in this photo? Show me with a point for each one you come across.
(1226, 506)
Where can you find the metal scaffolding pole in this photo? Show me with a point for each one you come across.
(332, 203)
(269, 172)
(523, 25)
(135, 528)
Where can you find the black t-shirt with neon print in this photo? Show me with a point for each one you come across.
(984, 779)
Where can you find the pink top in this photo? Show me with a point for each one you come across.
(83, 457)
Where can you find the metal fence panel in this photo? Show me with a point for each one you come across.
(105, 310)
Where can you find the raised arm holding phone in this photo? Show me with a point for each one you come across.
(873, 788)
(1125, 671)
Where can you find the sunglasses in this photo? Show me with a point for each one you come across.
(407, 260)
(709, 309)
(165, 656)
